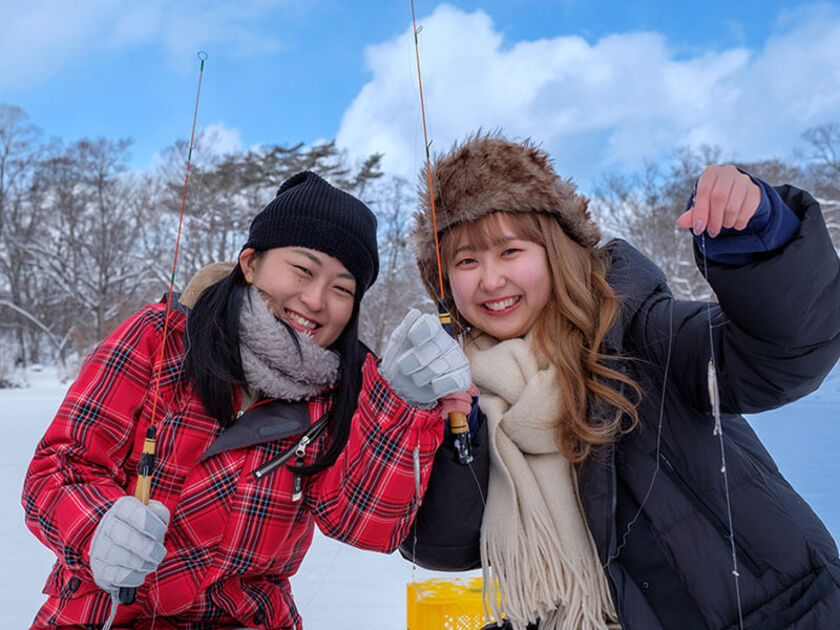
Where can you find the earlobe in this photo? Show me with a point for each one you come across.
(247, 262)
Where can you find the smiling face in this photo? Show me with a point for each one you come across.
(499, 275)
(309, 290)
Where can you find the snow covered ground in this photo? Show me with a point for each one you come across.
(341, 587)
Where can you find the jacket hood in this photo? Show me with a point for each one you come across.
(202, 279)
(488, 173)
(634, 278)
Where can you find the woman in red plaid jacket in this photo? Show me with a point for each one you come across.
(270, 417)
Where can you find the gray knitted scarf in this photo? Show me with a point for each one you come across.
(273, 363)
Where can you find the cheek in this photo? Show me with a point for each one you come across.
(275, 280)
(462, 290)
(539, 284)
(341, 313)
(543, 293)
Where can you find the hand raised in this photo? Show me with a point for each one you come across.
(725, 198)
(422, 363)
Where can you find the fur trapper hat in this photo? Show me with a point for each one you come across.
(486, 174)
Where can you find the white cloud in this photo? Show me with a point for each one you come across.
(597, 105)
(212, 141)
(40, 38)
(217, 139)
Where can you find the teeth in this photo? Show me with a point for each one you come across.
(502, 304)
(306, 323)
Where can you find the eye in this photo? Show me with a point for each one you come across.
(511, 251)
(344, 290)
(302, 269)
(464, 262)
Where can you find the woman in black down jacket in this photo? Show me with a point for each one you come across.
(605, 502)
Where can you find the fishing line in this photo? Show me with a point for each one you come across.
(714, 395)
(127, 595)
(202, 57)
(656, 470)
(458, 425)
(323, 579)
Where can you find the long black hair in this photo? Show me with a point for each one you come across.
(214, 365)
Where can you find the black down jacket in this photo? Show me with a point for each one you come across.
(776, 335)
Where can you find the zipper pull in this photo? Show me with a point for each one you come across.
(300, 452)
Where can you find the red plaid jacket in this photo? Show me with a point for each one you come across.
(233, 541)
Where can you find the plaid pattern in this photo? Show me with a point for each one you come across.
(233, 541)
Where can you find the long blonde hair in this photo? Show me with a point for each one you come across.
(570, 329)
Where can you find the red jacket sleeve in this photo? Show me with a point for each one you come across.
(78, 469)
(368, 498)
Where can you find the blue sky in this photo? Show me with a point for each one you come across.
(603, 85)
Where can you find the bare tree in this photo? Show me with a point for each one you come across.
(226, 191)
(643, 208)
(398, 287)
(825, 143)
(83, 243)
(88, 248)
(18, 151)
(824, 156)
(18, 148)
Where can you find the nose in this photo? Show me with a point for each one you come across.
(312, 296)
(492, 277)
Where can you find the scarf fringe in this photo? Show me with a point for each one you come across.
(529, 584)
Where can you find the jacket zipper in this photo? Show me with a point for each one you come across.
(275, 463)
(743, 551)
(299, 449)
(300, 452)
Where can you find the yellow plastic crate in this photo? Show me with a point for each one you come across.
(445, 605)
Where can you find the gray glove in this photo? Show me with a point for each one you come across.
(421, 362)
(128, 543)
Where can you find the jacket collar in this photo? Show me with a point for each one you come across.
(634, 278)
(266, 421)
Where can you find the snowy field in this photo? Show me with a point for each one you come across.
(341, 587)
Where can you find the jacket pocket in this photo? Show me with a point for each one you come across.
(70, 600)
(822, 590)
(65, 585)
(747, 556)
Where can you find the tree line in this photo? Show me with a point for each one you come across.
(84, 241)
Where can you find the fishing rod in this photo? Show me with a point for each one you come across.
(127, 594)
(458, 425)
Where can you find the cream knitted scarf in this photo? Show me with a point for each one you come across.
(538, 556)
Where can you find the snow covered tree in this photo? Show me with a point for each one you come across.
(87, 242)
(398, 287)
(19, 147)
(643, 208)
(824, 159)
(226, 191)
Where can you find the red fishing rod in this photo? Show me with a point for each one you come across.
(458, 425)
(142, 491)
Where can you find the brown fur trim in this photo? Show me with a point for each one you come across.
(202, 279)
(487, 174)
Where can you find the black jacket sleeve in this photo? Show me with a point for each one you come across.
(446, 533)
(776, 329)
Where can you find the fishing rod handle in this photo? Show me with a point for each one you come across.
(458, 425)
(128, 594)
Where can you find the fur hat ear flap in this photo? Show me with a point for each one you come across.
(488, 173)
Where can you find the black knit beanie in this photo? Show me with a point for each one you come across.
(309, 212)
